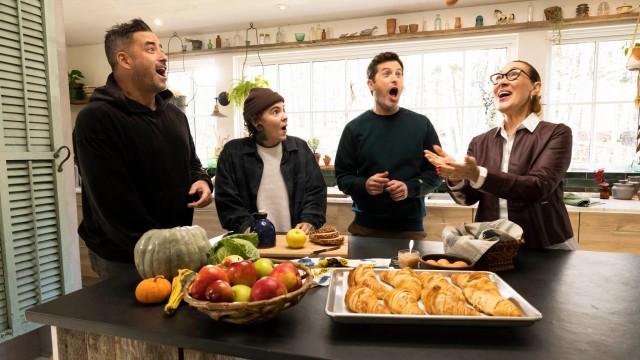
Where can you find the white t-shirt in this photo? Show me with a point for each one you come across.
(273, 197)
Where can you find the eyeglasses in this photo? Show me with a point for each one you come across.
(511, 75)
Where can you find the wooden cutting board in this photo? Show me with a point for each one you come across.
(282, 251)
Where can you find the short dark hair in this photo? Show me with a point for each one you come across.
(383, 57)
(120, 35)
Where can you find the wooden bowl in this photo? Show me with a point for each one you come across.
(451, 258)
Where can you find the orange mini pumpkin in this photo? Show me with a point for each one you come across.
(153, 290)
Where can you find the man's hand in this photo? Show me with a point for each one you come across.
(397, 190)
(375, 184)
(306, 227)
(200, 187)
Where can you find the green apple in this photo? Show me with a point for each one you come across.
(241, 293)
(263, 266)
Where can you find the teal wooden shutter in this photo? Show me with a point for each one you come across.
(32, 244)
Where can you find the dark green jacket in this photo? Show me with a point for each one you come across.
(373, 144)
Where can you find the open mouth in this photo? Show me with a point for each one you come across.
(393, 91)
(162, 71)
(284, 128)
(503, 94)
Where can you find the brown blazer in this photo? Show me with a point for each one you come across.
(533, 186)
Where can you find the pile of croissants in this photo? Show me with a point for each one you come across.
(468, 294)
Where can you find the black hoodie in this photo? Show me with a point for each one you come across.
(137, 166)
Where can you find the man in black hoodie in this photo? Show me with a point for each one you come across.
(135, 153)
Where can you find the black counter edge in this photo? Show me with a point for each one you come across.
(177, 340)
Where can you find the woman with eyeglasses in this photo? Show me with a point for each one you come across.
(515, 171)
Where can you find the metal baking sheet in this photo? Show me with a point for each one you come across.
(337, 310)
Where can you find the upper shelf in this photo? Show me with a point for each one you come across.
(566, 23)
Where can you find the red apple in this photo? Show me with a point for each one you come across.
(219, 291)
(267, 288)
(242, 272)
(204, 277)
(288, 274)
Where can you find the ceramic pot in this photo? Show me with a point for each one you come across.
(391, 26)
(413, 27)
(403, 28)
(622, 191)
(265, 229)
(458, 23)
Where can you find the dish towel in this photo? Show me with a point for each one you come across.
(472, 240)
(575, 200)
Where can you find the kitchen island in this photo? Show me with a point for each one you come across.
(588, 301)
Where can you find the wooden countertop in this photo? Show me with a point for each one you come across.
(282, 251)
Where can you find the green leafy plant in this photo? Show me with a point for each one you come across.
(313, 144)
(74, 77)
(240, 90)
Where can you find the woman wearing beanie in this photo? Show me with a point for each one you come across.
(269, 171)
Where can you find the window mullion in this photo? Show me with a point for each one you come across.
(594, 87)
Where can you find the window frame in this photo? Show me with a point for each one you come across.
(586, 35)
(351, 52)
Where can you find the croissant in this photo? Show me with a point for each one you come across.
(361, 299)
(430, 279)
(484, 295)
(446, 299)
(403, 279)
(364, 275)
(402, 302)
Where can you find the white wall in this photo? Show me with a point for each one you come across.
(532, 45)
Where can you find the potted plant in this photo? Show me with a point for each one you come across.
(76, 91)
(240, 90)
(632, 50)
(313, 145)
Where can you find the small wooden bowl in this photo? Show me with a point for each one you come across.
(450, 258)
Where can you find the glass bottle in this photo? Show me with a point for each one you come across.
(218, 42)
(437, 23)
(318, 32)
(446, 25)
(279, 37)
(267, 38)
(265, 229)
(261, 41)
(209, 45)
(324, 34)
(237, 40)
(530, 13)
(227, 42)
(424, 24)
(312, 33)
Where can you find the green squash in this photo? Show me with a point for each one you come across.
(165, 251)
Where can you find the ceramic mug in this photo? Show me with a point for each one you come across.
(403, 28)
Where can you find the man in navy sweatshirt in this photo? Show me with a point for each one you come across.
(380, 161)
(135, 153)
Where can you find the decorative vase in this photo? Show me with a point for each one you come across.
(391, 26)
(604, 191)
(458, 23)
(635, 52)
(265, 229)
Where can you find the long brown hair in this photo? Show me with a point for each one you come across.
(535, 103)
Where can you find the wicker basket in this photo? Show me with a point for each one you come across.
(254, 311)
(500, 256)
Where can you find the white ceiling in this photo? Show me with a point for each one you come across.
(87, 20)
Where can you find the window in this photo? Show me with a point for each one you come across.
(448, 81)
(195, 80)
(589, 89)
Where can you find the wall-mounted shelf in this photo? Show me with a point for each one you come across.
(527, 26)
